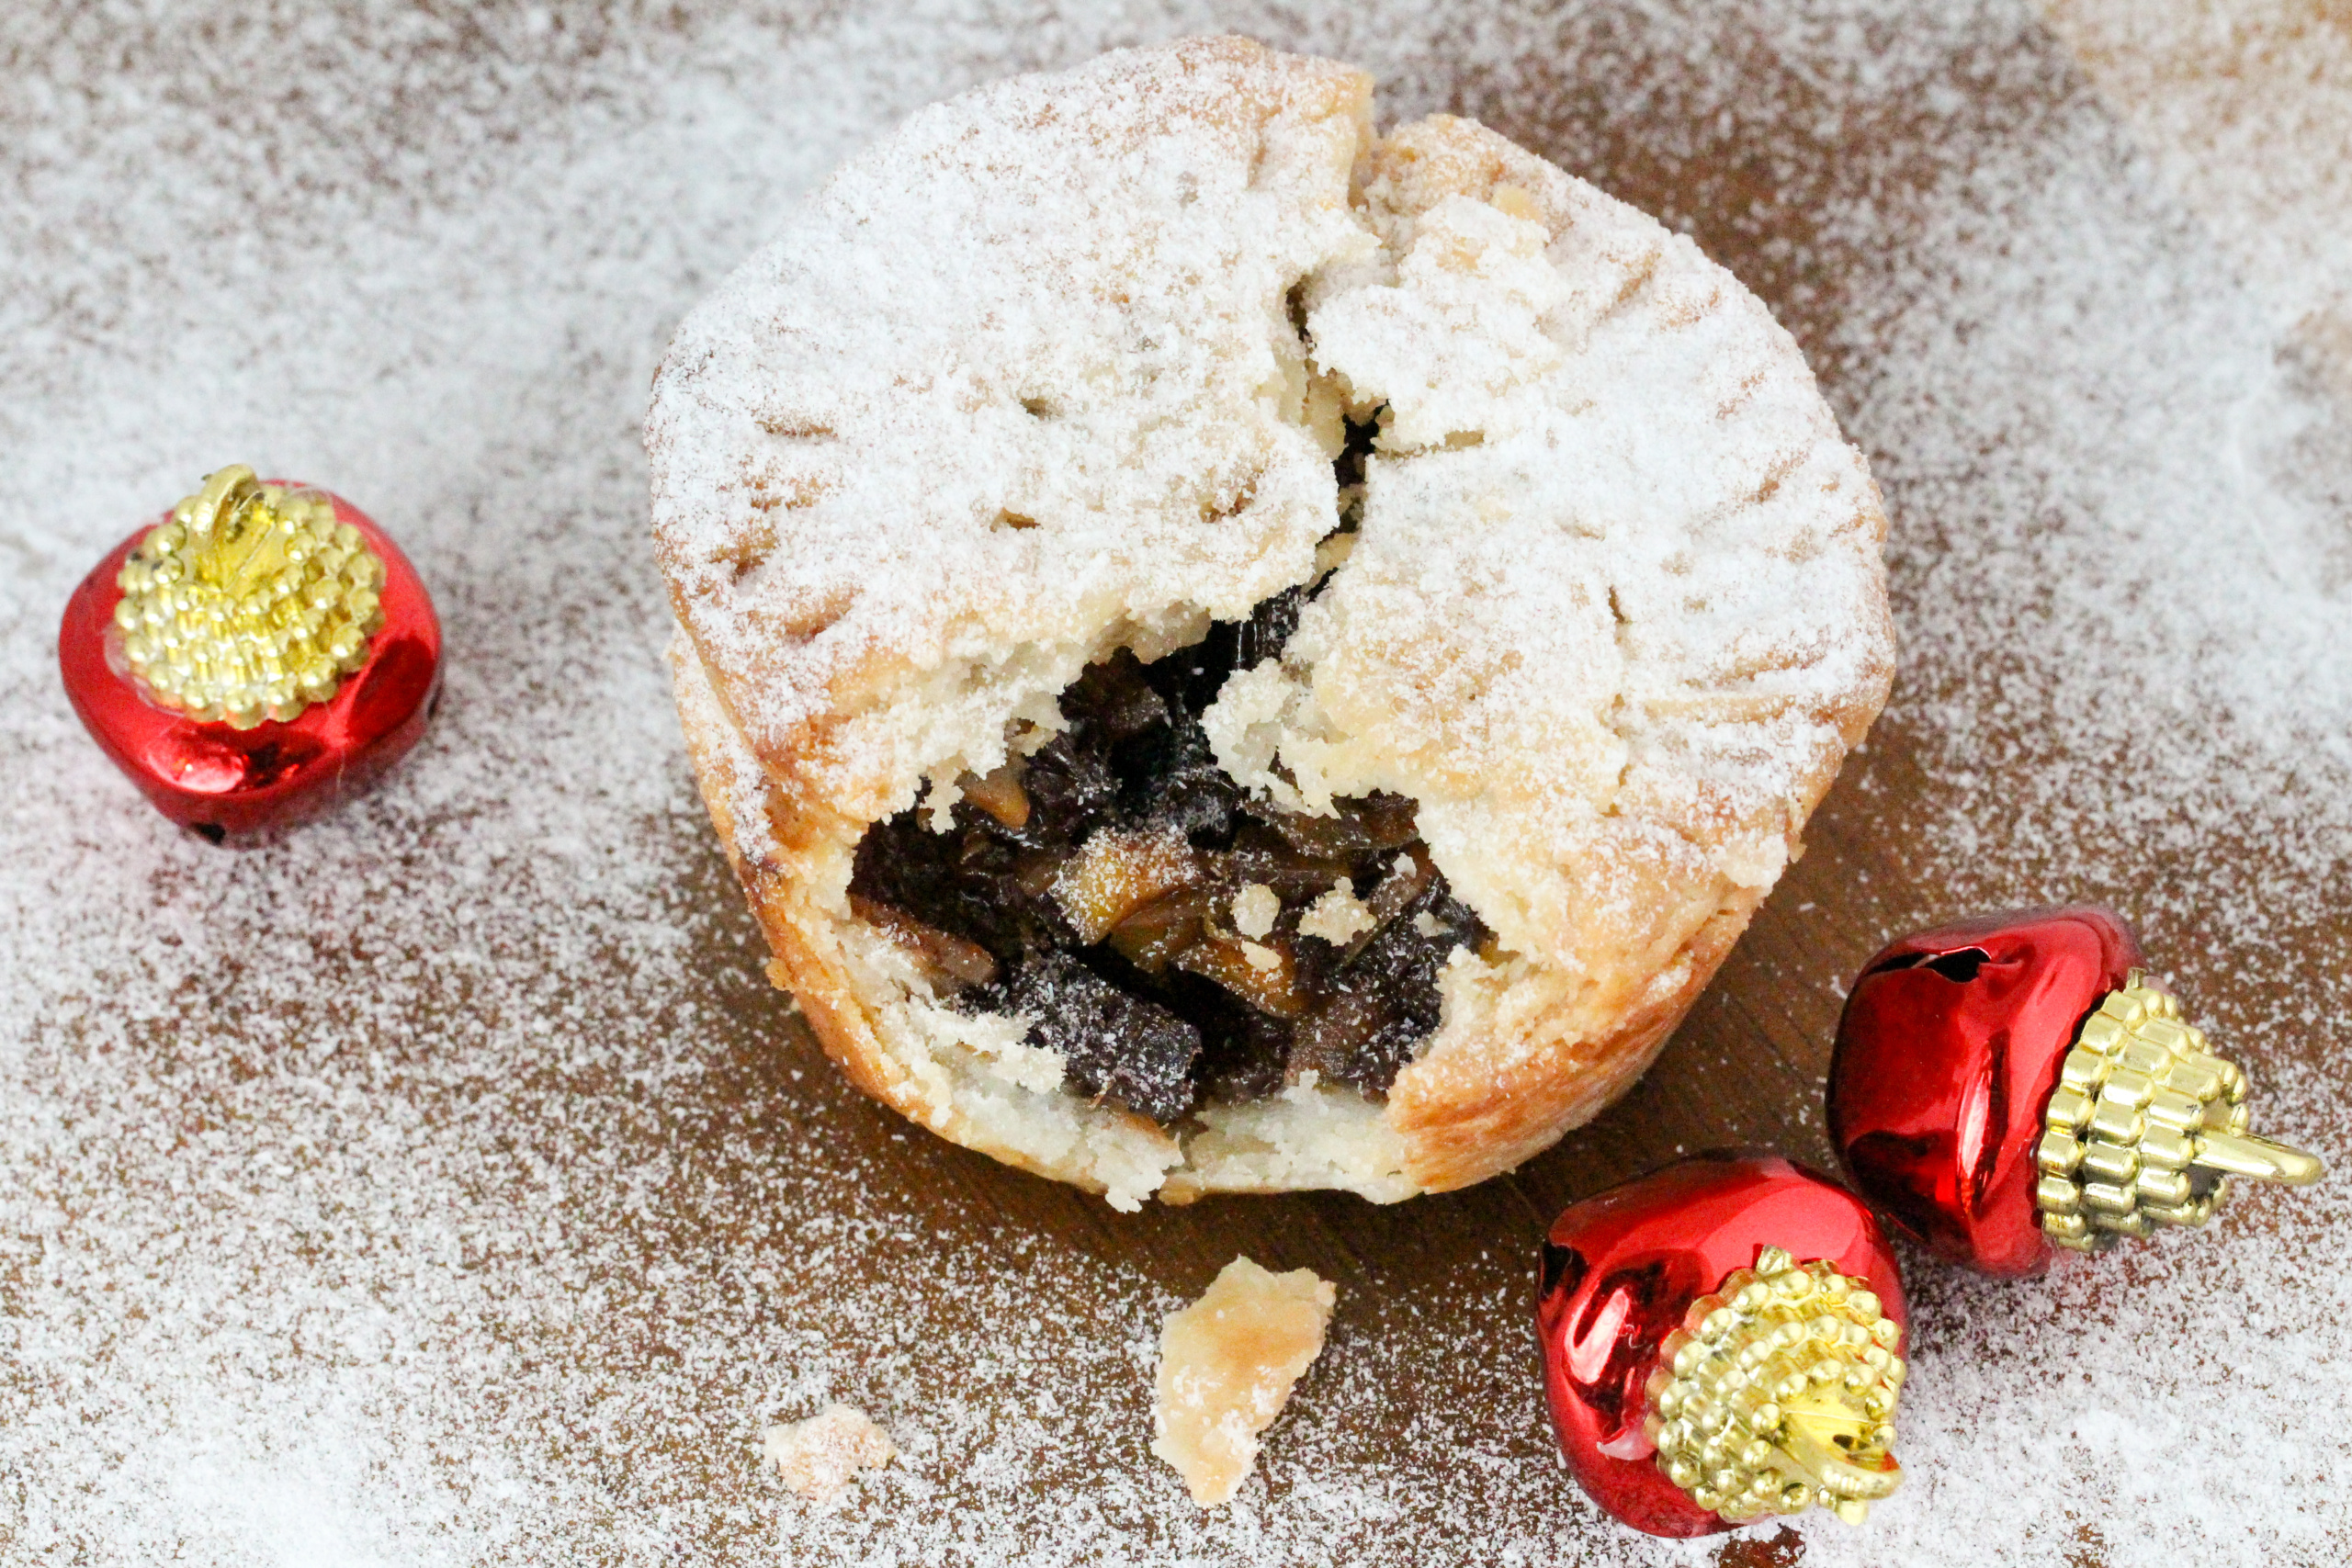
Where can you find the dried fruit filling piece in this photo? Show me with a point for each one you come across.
(1171, 936)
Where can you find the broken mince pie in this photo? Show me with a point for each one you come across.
(1232, 653)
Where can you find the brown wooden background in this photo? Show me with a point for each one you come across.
(450, 1176)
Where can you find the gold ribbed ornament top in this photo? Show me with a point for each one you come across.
(251, 604)
(2146, 1126)
(1778, 1392)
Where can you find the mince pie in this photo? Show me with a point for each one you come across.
(1234, 652)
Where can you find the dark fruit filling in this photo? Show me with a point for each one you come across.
(1120, 889)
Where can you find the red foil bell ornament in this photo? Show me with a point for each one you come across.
(1721, 1343)
(2013, 1084)
(257, 654)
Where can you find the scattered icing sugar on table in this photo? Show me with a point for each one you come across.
(424, 1189)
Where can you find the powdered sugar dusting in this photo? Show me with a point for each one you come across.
(1016, 386)
(431, 1188)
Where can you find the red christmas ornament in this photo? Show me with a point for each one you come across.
(257, 654)
(2011, 1084)
(1720, 1345)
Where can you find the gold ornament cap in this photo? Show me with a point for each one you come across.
(1778, 1392)
(2147, 1127)
(253, 603)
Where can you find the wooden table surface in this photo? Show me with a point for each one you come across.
(532, 1106)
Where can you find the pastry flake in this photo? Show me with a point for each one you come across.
(819, 1457)
(1227, 1367)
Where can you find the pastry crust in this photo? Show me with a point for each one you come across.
(1027, 383)
(1227, 1363)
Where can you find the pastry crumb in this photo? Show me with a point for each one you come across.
(1226, 1366)
(1255, 909)
(818, 1458)
(1339, 916)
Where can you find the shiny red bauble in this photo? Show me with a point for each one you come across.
(223, 781)
(1620, 1273)
(1948, 1049)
